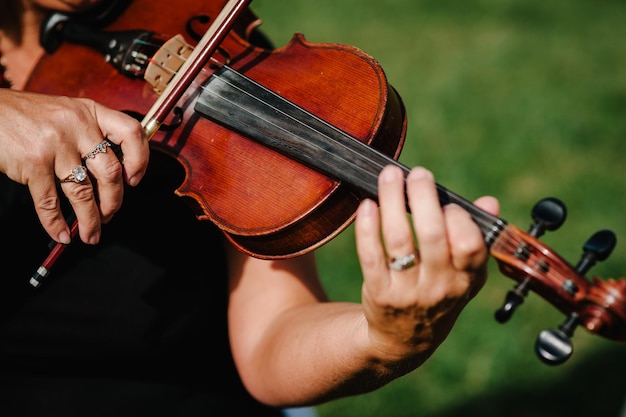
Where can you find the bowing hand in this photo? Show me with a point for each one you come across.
(48, 139)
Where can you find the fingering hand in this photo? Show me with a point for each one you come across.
(411, 307)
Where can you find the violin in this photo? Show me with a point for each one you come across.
(279, 146)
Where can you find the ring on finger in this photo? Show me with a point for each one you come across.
(402, 263)
(99, 148)
(77, 175)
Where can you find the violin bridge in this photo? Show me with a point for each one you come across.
(166, 62)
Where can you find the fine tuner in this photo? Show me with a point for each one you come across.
(554, 346)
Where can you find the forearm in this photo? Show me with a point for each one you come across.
(321, 352)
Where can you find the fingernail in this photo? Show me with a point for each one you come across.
(420, 172)
(367, 207)
(94, 239)
(65, 238)
(389, 174)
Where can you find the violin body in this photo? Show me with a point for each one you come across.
(268, 204)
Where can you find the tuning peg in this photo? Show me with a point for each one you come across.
(548, 214)
(554, 346)
(597, 248)
(513, 299)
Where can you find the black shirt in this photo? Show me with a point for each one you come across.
(133, 326)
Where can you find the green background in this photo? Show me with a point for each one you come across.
(516, 99)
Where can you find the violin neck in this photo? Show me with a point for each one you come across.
(311, 140)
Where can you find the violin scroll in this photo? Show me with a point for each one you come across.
(604, 309)
(598, 306)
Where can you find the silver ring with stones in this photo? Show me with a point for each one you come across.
(99, 148)
(77, 175)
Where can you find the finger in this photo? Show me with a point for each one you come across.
(123, 130)
(106, 171)
(83, 202)
(369, 247)
(396, 228)
(80, 194)
(466, 239)
(428, 218)
(48, 208)
(467, 246)
(489, 204)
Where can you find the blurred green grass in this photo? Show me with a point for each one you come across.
(520, 100)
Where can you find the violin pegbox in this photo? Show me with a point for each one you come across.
(597, 305)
